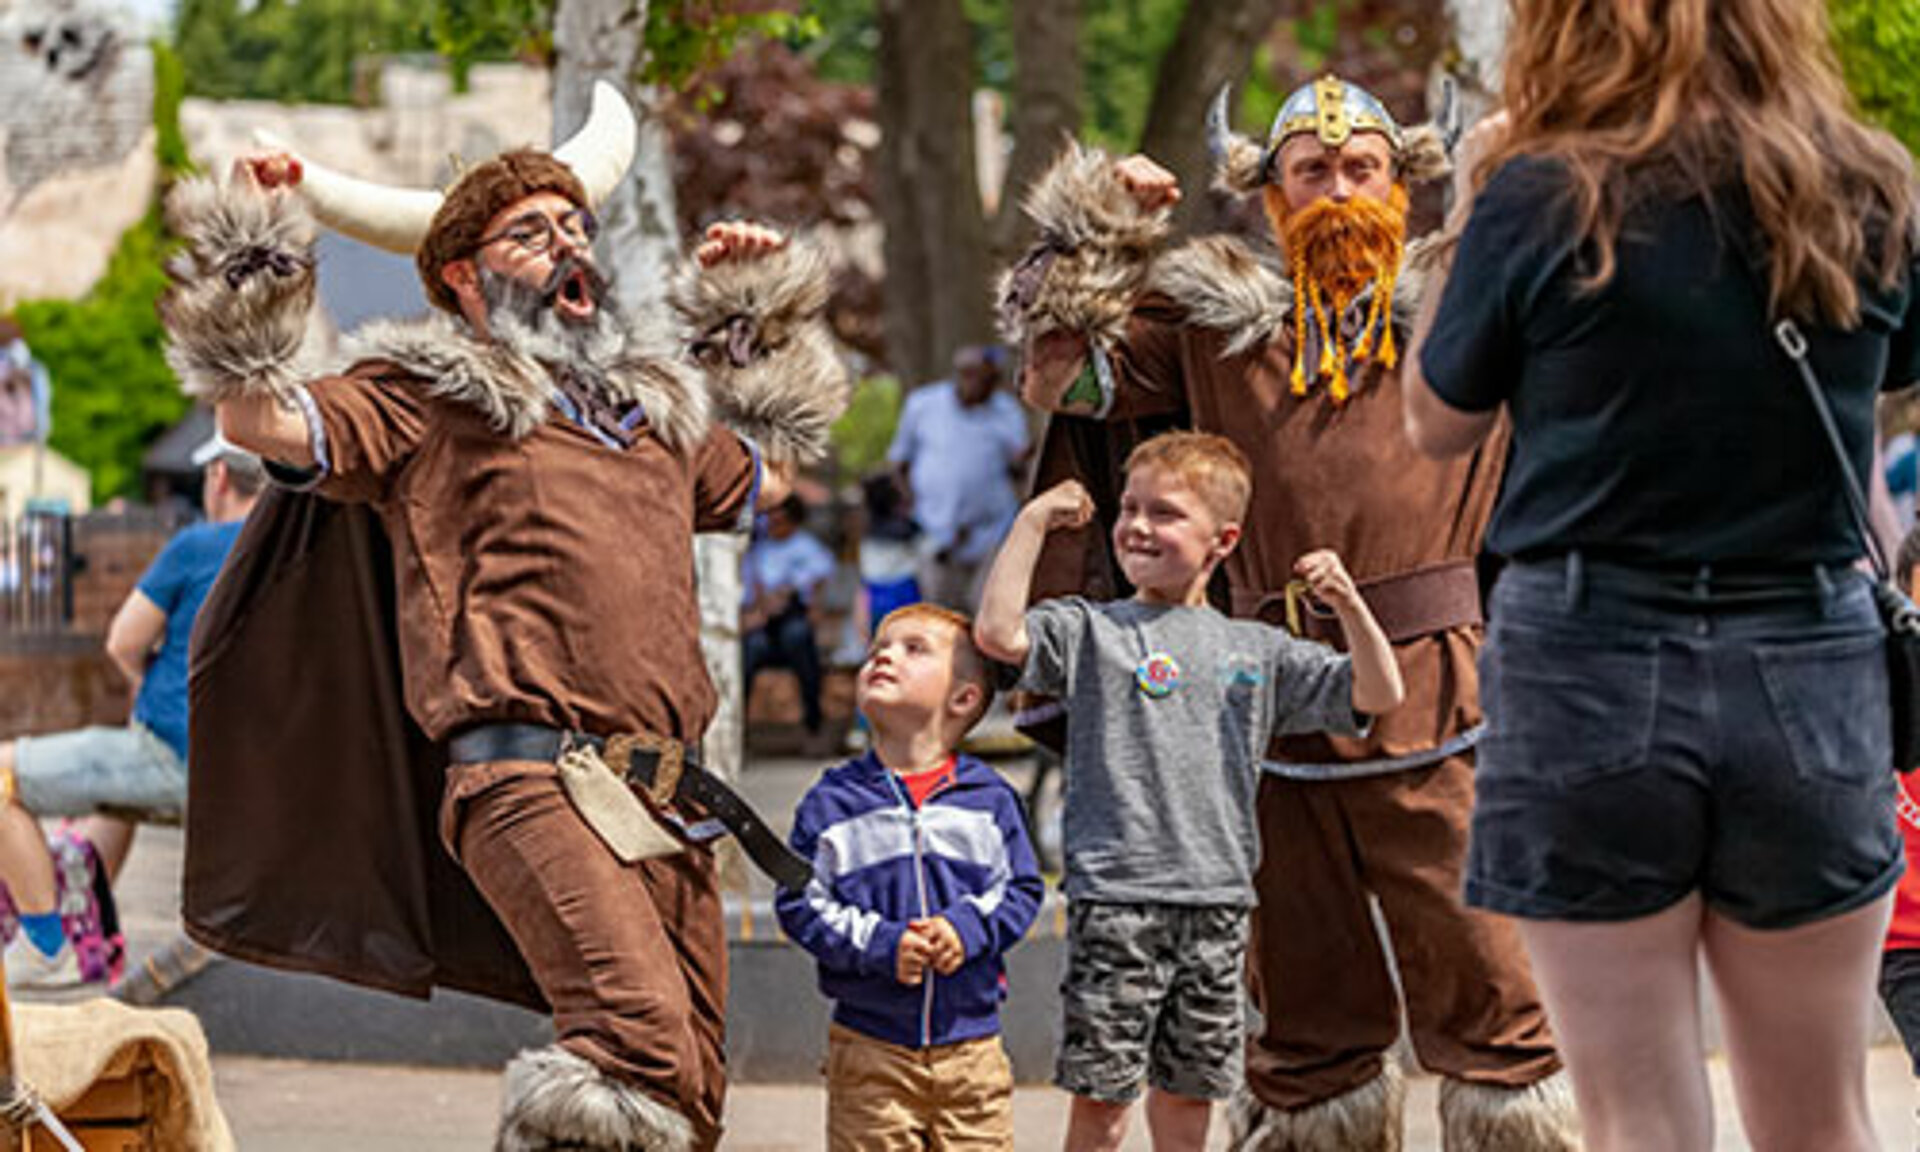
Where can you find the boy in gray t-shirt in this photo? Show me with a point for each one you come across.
(1170, 705)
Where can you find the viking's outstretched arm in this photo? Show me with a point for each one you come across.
(237, 314)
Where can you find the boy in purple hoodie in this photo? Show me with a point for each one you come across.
(923, 879)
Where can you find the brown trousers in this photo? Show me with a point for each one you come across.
(882, 1097)
(1317, 970)
(632, 958)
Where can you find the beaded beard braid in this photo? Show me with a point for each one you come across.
(1334, 251)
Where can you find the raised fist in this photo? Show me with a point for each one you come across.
(1151, 186)
(737, 240)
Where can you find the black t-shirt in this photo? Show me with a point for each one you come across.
(1655, 421)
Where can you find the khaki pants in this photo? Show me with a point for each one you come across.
(1316, 968)
(632, 958)
(882, 1097)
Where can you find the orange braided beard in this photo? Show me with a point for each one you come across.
(1334, 251)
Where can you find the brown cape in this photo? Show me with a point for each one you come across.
(313, 800)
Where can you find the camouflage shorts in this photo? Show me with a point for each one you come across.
(1152, 992)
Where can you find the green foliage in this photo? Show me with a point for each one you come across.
(688, 37)
(863, 432)
(112, 391)
(1879, 46)
(305, 50)
(1121, 43)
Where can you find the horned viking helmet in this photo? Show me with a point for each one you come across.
(1332, 110)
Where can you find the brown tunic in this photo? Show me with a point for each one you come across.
(546, 579)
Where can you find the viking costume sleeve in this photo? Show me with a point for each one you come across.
(302, 737)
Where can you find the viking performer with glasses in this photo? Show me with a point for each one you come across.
(470, 615)
(1294, 359)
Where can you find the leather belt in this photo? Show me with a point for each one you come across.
(1410, 604)
(662, 771)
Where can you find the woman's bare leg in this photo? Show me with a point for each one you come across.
(1797, 1010)
(1624, 1001)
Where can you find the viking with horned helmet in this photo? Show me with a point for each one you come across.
(1295, 359)
(469, 616)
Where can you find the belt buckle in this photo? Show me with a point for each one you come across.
(670, 759)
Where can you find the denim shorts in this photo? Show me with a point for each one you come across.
(1651, 735)
(74, 773)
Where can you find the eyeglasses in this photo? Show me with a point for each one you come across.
(534, 232)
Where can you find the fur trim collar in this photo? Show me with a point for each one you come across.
(513, 390)
(1220, 282)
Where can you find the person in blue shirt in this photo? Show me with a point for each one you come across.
(781, 580)
(142, 765)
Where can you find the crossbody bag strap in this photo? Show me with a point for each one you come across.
(1788, 335)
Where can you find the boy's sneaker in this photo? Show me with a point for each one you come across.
(30, 968)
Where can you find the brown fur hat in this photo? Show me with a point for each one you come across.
(475, 199)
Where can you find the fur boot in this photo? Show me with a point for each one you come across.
(1486, 1118)
(555, 1099)
(1366, 1119)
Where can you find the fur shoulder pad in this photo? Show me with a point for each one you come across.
(1220, 283)
(513, 389)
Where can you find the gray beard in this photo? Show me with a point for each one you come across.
(523, 318)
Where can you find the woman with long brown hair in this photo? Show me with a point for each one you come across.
(1688, 747)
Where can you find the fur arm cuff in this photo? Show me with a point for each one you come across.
(1096, 246)
(771, 365)
(237, 312)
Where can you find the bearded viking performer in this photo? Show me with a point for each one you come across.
(1294, 360)
(469, 621)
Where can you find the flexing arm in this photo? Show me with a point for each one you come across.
(1377, 687)
(1000, 629)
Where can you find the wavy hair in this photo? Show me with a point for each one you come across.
(1631, 94)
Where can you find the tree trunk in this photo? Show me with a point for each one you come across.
(1213, 46)
(1480, 34)
(605, 40)
(936, 237)
(1046, 108)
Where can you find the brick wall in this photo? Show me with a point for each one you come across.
(56, 681)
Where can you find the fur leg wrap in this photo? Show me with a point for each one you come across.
(1539, 1117)
(555, 1099)
(238, 310)
(1366, 1119)
(1096, 246)
(772, 369)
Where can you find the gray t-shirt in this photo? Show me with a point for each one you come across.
(1169, 710)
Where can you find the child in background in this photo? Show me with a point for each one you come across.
(1900, 962)
(923, 879)
(1171, 706)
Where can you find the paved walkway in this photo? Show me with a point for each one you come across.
(286, 1106)
(295, 1106)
